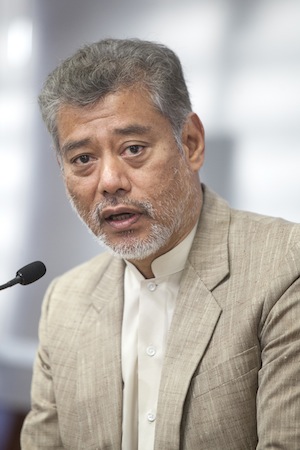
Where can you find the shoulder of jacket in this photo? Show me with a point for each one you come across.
(85, 276)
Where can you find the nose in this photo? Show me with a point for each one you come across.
(113, 177)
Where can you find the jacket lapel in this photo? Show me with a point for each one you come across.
(99, 364)
(195, 318)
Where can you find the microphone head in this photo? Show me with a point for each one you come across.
(32, 272)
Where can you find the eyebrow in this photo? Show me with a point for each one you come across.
(132, 129)
(124, 131)
(73, 145)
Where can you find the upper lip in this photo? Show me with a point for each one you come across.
(108, 212)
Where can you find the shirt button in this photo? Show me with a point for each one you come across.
(151, 350)
(151, 287)
(151, 417)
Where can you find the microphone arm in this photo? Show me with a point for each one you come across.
(10, 283)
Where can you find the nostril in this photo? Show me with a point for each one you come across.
(119, 192)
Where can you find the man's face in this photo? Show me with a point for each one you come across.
(125, 175)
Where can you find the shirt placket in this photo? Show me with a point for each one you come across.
(151, 339)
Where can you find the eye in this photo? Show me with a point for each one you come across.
(82, 159)
(133, 150)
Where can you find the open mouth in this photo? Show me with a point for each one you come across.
(120, 217)
(122, 221)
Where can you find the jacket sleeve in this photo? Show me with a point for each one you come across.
(41, 429)
(278, 397)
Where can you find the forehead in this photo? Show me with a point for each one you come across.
(125, 101)
(127, 111)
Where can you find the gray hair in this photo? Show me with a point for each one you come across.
(109, 65)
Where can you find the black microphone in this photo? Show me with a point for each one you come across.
(28, 274)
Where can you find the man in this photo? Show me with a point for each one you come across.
(186, 334)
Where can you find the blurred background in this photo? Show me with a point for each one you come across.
(242, 64)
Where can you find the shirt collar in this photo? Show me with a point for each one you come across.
(174, 260)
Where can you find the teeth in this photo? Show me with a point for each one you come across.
(121, 216)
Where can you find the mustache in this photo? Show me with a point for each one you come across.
(144, 206)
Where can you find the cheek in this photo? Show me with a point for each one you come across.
(150, 186)
(163, 189)
(79, 189)
(157, 176)
(80, 198)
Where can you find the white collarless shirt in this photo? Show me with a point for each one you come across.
(148, 309)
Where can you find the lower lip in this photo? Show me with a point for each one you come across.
(125, 224)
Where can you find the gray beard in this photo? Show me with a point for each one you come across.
(132, 248)
(135, 248)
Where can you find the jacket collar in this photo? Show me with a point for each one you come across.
(195, 317)
(209, 255)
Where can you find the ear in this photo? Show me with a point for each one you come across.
(59, 160)
(193, 141)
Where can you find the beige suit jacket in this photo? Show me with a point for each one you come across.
(231, 375)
